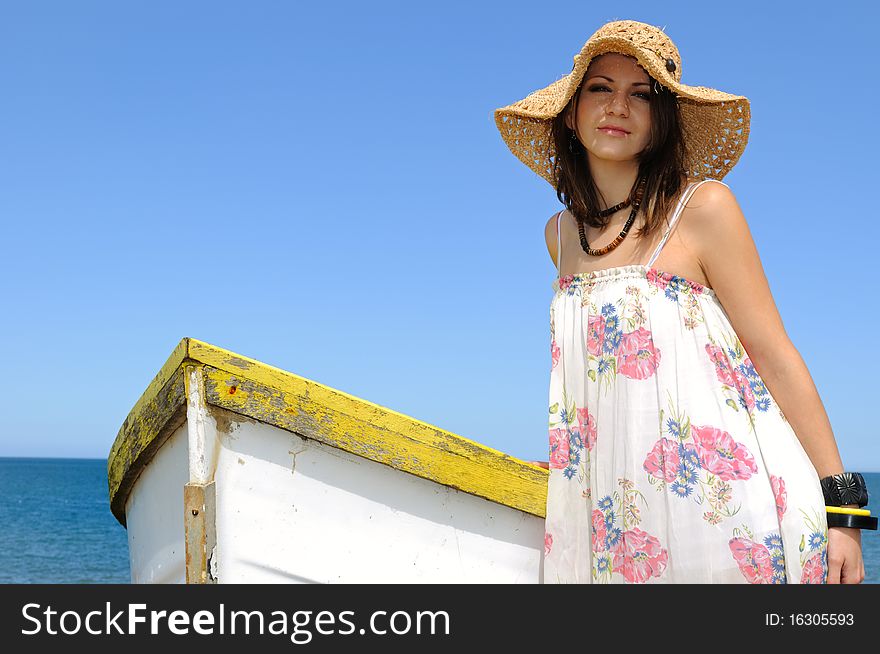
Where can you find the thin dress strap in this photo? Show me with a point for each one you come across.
(683, 200)
(558, 242)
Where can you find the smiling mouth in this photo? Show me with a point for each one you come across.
(613, 132)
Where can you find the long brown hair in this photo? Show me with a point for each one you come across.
(661, 162)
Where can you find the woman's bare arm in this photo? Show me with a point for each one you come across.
(731, 263)
(733, 267)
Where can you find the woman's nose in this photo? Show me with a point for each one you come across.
(617, 104)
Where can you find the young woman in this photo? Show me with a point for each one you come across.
(688, 443)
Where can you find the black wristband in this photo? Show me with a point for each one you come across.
(844, 488)
(852, 521)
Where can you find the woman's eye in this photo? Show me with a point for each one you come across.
(640, 94)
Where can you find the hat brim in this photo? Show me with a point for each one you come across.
(715, 124)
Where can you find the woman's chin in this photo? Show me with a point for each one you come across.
(615, 155)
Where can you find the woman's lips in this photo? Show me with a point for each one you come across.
(613, 132)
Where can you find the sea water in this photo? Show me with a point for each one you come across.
(56, 525)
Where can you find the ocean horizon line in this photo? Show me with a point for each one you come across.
(94, 458)
(53, 458)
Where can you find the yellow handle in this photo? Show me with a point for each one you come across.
(838, 509)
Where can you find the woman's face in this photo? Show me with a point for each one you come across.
(615, 92)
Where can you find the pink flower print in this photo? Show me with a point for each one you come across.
(753, 560)
(565, 282)
(712, 517)
(733, 376)
(723, 369)
(779, 493)
(587, 427)
(721, 455)
(637, 358)
(663, 461)
(663, 280)
(558, 448)
(744, 387)
(639, 556)
(814, 570)
(554, 353)
(599, 531)
(595, 334)
(656, 279)
(548, 542)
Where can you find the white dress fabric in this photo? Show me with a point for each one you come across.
(670, 462)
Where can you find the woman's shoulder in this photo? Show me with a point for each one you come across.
(712, 216)
(712, 190)
(710, 197)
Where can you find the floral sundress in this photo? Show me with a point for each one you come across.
(670, 461)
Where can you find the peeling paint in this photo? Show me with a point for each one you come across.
(223, 422)
(156, 416)
(212, 566)
(293, 454)
(202, 435)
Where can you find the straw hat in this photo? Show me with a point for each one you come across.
(715, 123)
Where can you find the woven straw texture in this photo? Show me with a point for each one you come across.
(715, 123)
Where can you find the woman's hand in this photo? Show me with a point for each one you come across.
(541, 464)
(845, 564)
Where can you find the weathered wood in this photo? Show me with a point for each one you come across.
(160, 411)
(201, 431)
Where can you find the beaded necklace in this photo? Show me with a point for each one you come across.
(607, 212)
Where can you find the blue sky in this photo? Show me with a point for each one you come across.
(322, 188)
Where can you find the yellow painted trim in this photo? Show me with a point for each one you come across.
(172, 365)
(157, 413)
(288, 401)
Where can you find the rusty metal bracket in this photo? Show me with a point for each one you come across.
(200, 520)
